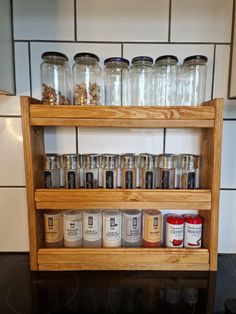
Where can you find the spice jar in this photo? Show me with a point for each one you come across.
(55, 79)
(53, 229)
(141, 82)
(71, 171)
(52, 171)
(174, 231)
(111, 228)
(128, 171)
(192, 231)
(147, 171)
(116, 81)
(195, 70)
(188, 168)
(87, 77)
(92, 228)
(109, 164)
(131, 228)
(165, 80)
(72, 225)
(91, 164)
(152, 228)
(167, 171)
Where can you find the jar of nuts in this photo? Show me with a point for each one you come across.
(55, 79)
(87, 77)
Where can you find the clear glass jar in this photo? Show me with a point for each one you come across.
(52, 163)
(91, 164)
(55, 79)
(167, 165)
(87, 79)
(195, 71)
(112, 228)
(147, 171)
(131, 228)
(141, 82)
(72, 226)
(128, 171)
(115, 77)
(188, 171)
(92, 228)
(109, 164)
(165, 80)
(71, 163)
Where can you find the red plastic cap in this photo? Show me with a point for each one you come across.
(193, 219)
(175, 219)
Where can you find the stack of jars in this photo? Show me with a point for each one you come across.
(118, 84)
(128, 171)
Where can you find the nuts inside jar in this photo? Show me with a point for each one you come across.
(52, 96)
(87, 96)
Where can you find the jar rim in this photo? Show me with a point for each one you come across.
(54, 54)
(196, 57)
(116, 59)
(86, 54)
(142, 58)
(167, 57)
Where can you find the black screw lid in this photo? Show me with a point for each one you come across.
(86, 54)
(116, 59)
(168, 57)
(196, 57)
(54, 54)
(142, 58)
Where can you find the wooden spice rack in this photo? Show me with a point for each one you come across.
(208, 117)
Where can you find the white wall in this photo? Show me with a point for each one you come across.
(107, 28)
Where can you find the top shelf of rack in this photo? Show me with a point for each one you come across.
(122, 117)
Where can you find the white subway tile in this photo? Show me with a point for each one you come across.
(14, 222)
(230, 109)
(227, 218)
(221, 71)
(11, 157)
(70, 49)
(228, 166)
(9, 105)
(110, 20)
(60, 140)
(180, 50)
(201, 20)
(47, 20)
(22, 69)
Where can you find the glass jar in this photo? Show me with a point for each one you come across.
(55, 79)
(72, 225)
(167, 165)
(52, 163)
(109, 164)
(147, 171)
(195, 71)
(112, 228)
(165, 80)
(152, 223)
(116, 81)
(188, 171)
(92, 228)
(53, 229)
(71, 171)
(87, 77)
(91, 164)
(131, 228)
(141, 82)
(128, 171)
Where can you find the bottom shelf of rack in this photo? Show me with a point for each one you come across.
(123, 259)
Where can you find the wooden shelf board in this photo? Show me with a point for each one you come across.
(123, 259)
(122, 199)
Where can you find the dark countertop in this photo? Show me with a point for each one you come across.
(22, 291)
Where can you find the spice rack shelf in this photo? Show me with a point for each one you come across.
(207, 117)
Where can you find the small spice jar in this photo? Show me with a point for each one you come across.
(112, 228)
(52, 171)
(131, 228)
(128, 171)
(55, 79)
(92, 228)
(53, 229)
(192, 231)
(147, 171)
(87, 76)
(174, 231)
(152, 221)
(188, 171)
(91, 164)
(109, 164)
(116, 73)
(71, 171)
(72, 225)
(167, 171)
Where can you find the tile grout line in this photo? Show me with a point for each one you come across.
(231, 52)
(13, 47)
(75, 20)
(30, 75)
(12, 186)
(227, 189)
(169, 24)
(213, 72)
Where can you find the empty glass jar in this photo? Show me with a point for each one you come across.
(55, 78)
(116, 81)
(87, 78)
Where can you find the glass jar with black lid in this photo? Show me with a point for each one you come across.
(55, 78)
(87, 79)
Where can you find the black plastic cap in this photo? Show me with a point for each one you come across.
(167, 57)
(196, 57)
(86, 54)
(116, 59)
(142, 58)
(54, 54)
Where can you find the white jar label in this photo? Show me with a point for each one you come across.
(72, 228)
(174, 235)
(132, 228)
(92, 226)
(192, 235)
(112, 229)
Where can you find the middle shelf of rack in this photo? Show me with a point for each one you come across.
(122, 199)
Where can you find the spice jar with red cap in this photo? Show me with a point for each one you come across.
(192, 231)
(174, 231)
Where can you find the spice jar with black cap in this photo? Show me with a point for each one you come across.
(55, 78)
